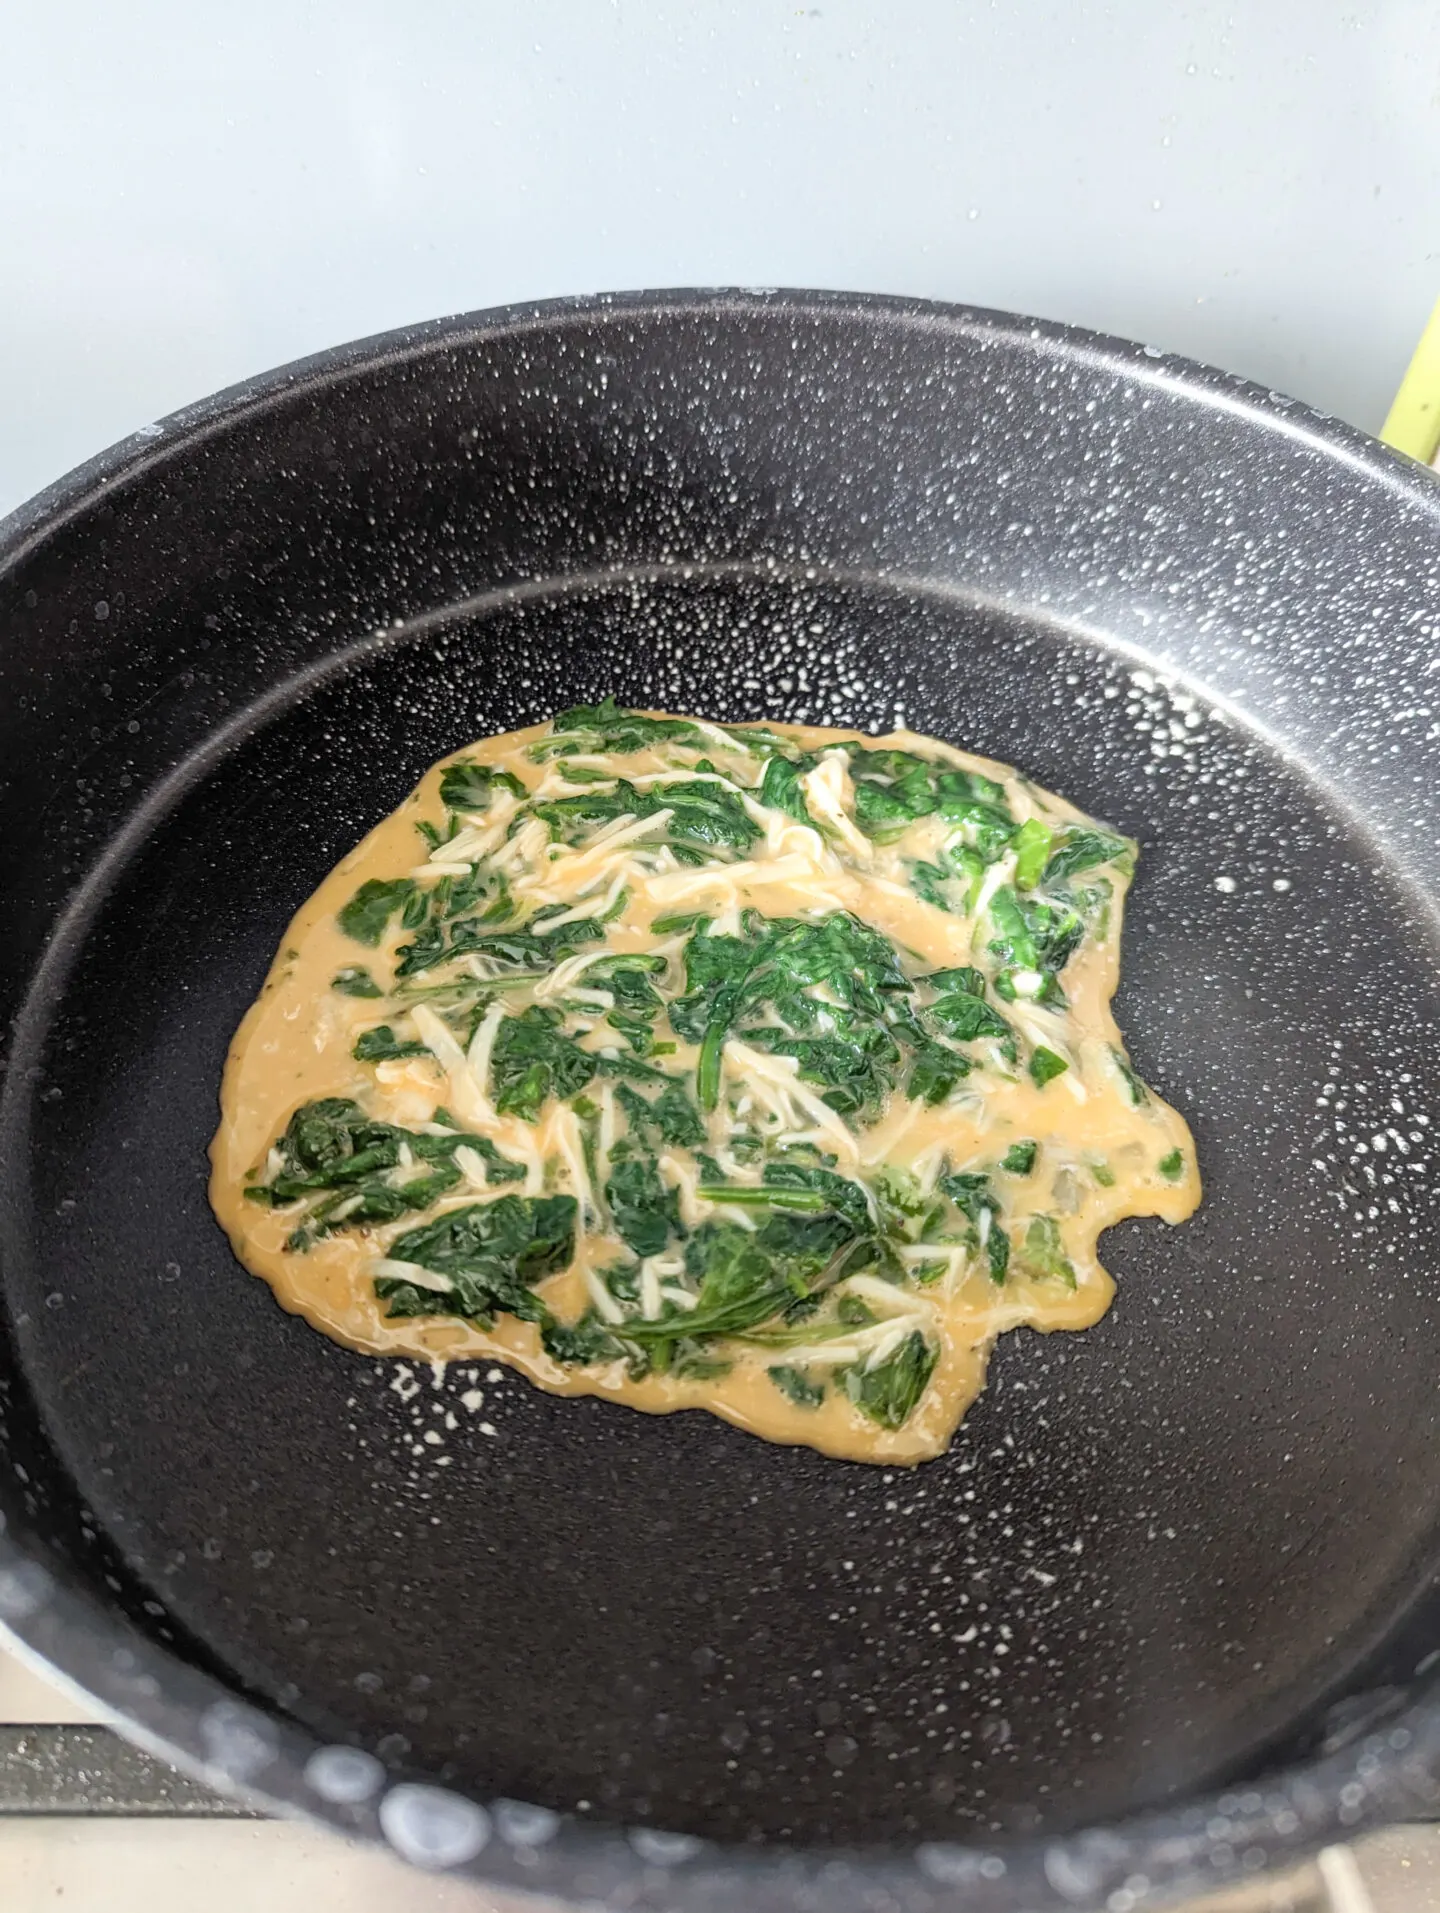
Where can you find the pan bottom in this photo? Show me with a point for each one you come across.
(1156, 1552)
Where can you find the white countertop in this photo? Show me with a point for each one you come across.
(190, 194)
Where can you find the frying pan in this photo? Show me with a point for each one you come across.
(1167, 1610)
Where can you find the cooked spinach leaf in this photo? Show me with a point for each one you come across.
(780, 787)
(366, 917)
(1082, 848)
(341, 1163)
(1045, 1065)
(533, 1059)
(470, 786)
(963, 1015)
(703, 814)
(1043, 1252)
(355, 981)
(890, 1391)
(1172, 1167)
(1032, 935)
(508, 955)
(593, 728)
(935, 1072)
(928, 881)
(645, 1213)
(893, 788)
(586, 1342)
(382, 1045)
(1019, 1158)
(778, 962)
(491, 1252)
(839, 1193)
(1139, 1094)
(797, 1385)
(671, 1118)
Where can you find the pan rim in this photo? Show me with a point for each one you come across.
(196, 1721)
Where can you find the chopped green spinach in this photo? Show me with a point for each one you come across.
(890, 1391)
(355, 981)
(1081, 848)
(490, 1252)
(796, 1384)
(532, 1059)
(1043, 1252)
(781, 788)
(1045, 1065)
(1031, 846)
(470, 787)
(382, 1045)
(342, 1164)
(366, 917)
(645, 1213)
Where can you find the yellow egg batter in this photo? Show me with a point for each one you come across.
(863, 1108)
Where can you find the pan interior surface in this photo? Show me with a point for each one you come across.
(1157, 1552)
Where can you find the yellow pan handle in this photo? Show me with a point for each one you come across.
(1413, 422)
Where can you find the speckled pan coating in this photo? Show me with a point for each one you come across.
(1174, 1579)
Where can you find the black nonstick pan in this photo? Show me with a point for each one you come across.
(1175, 1581)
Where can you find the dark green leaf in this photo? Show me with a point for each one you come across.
(780, 786)
(410, 1299)
(367, 915)
(584, 1342)
(796, 1383)
(846, 1198)
(1045, 1065)
(1019, 1158)
(471, 786)
(610, 728)
(381, 1045)
(1080, 849)
(966, 981)
(1172, 1167)
(967, 1019)
(685, 920)
(739, 1285)
(422, 953)
(890, 1391)
(644, 1211)
(354, 981)
(928, 881)
(498, 1168)
(935, 1072)
(1033, 935)
(970, 1192)
(338, 1159)
(672, 1117)
(491, 1251)
(637, 1031)
(703, 813)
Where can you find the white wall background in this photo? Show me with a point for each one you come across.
(192, 192)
